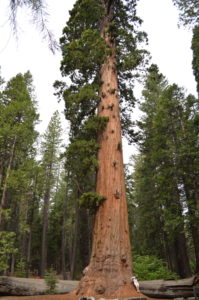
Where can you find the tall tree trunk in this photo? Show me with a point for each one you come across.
(29, 242)
(74, 243)
(110, 269)
(84, 251)
(44, 231)
(172, 256)
(63, 241)
(3, 198)
(12, 265)
(182, 256)
(191, 193)
(180, 242)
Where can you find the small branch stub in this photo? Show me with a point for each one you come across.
(117, 194)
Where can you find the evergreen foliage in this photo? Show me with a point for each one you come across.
(168, 144)
(195, 49)
(7, 248)
(91, 201)
(51, 281)
(38, 9)
(84, 50)
(51, 145)
(189, 11)
(148, 267)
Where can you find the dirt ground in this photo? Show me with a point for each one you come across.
(73, 296)
(123, 292)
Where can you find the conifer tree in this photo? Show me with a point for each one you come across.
(195, 49)
(50, 154)
(189, 11)
(18, 117)
(189, 16)
(101, 57)
(168, 146)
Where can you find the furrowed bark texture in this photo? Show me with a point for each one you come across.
(110, 269)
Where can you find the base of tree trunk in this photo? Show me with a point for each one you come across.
(105, 288)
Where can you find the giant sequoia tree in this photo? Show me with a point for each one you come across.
(100, 56)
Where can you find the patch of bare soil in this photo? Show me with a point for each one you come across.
(73, 296)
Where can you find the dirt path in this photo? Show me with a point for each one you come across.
(43, 297)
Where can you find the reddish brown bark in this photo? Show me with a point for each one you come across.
(110, 270)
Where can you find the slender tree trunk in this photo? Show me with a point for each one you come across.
(110, 269)
(1, 172)
(74, 243)
(12, 265)
(84, 237)
(44, 231)
(29, 243)
(180, 243)
(192, 203)
(28, 259)
(63, 242)
(3, 198)
(172, 256)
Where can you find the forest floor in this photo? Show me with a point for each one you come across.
(124, 293)
(56, 297)
(71, 296)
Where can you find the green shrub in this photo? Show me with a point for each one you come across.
(20, 269)
(148, 267)
(7, 248)
(51, 281)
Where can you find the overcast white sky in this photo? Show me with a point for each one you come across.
(169, 47)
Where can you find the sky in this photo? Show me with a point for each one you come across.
(169, 46)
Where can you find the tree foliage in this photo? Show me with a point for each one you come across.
(195, 49)
(148, 267)
(168, 146)
(189, 11)
(38, 9)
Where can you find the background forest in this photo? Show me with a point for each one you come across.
(45, 221)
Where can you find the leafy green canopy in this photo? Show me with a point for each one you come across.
(7, 241)
(91, 201)
(148, 267)
(168, 149)
(195, 49)
(84, 50)
(18, 114)
(81, 154)
(189, 11)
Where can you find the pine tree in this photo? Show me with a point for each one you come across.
(100, 56)
(18, 118)
(195, 49)
(168, 147)
(50, 155)
(189, 16)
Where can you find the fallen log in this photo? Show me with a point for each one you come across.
(167, 289)
(31, 287)
(182, 288)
